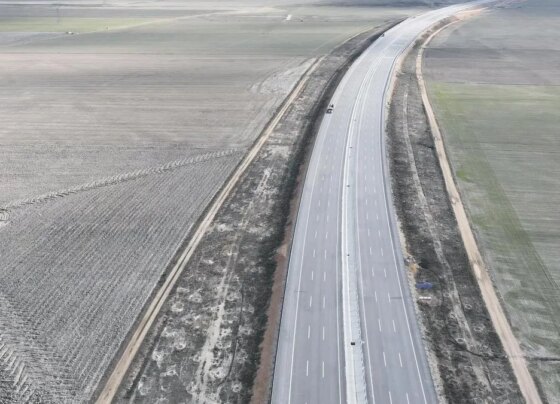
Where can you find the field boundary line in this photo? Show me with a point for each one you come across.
(116, 179)
(131, 348)
(497, 315)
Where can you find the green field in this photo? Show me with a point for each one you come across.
(497, 100)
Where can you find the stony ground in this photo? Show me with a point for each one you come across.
(494, 85)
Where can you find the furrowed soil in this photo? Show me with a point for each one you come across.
(493, 82)
(466, 356)
(208, 341)
(114, 138)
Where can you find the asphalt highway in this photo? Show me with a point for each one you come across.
(348, 331)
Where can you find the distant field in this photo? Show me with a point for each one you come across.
(112, 143)
(494, 83)
(75, 25)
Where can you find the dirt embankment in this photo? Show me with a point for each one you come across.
(467, 357)
(220, 322)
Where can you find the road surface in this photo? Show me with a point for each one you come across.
(348, 331)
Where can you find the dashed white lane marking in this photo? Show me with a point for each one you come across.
(327, 218)
(315, 233)
(325, 254)
(375, 294)
(368, 232)
(306, 368)
(323, 302)
(400, 359)
(370, 252)
(319, 203)
(324, 276)
(372, 273)
(382, 251)
(394, 327)
(323, 333)
(379, 323)
(310, 301)
(313, 253)
(385, 272)
(308, 331)
(326, 235)
(390, 398)
(389, 297)
(312, 272)
(367, 216)
(379, 233)
(384, 359)
(366, 202)
(323, 369)
(407, 400)
(377, 217)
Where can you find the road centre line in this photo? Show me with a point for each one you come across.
(369, 79)
(394, 327)
(384, 359)
(400, 359)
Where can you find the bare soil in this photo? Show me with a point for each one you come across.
(207, 344)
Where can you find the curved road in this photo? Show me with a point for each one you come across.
(348, 331)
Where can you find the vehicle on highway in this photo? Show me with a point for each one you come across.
(330, 109)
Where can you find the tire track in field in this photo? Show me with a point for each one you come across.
(113, 180)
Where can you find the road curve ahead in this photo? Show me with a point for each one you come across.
(348, 331)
